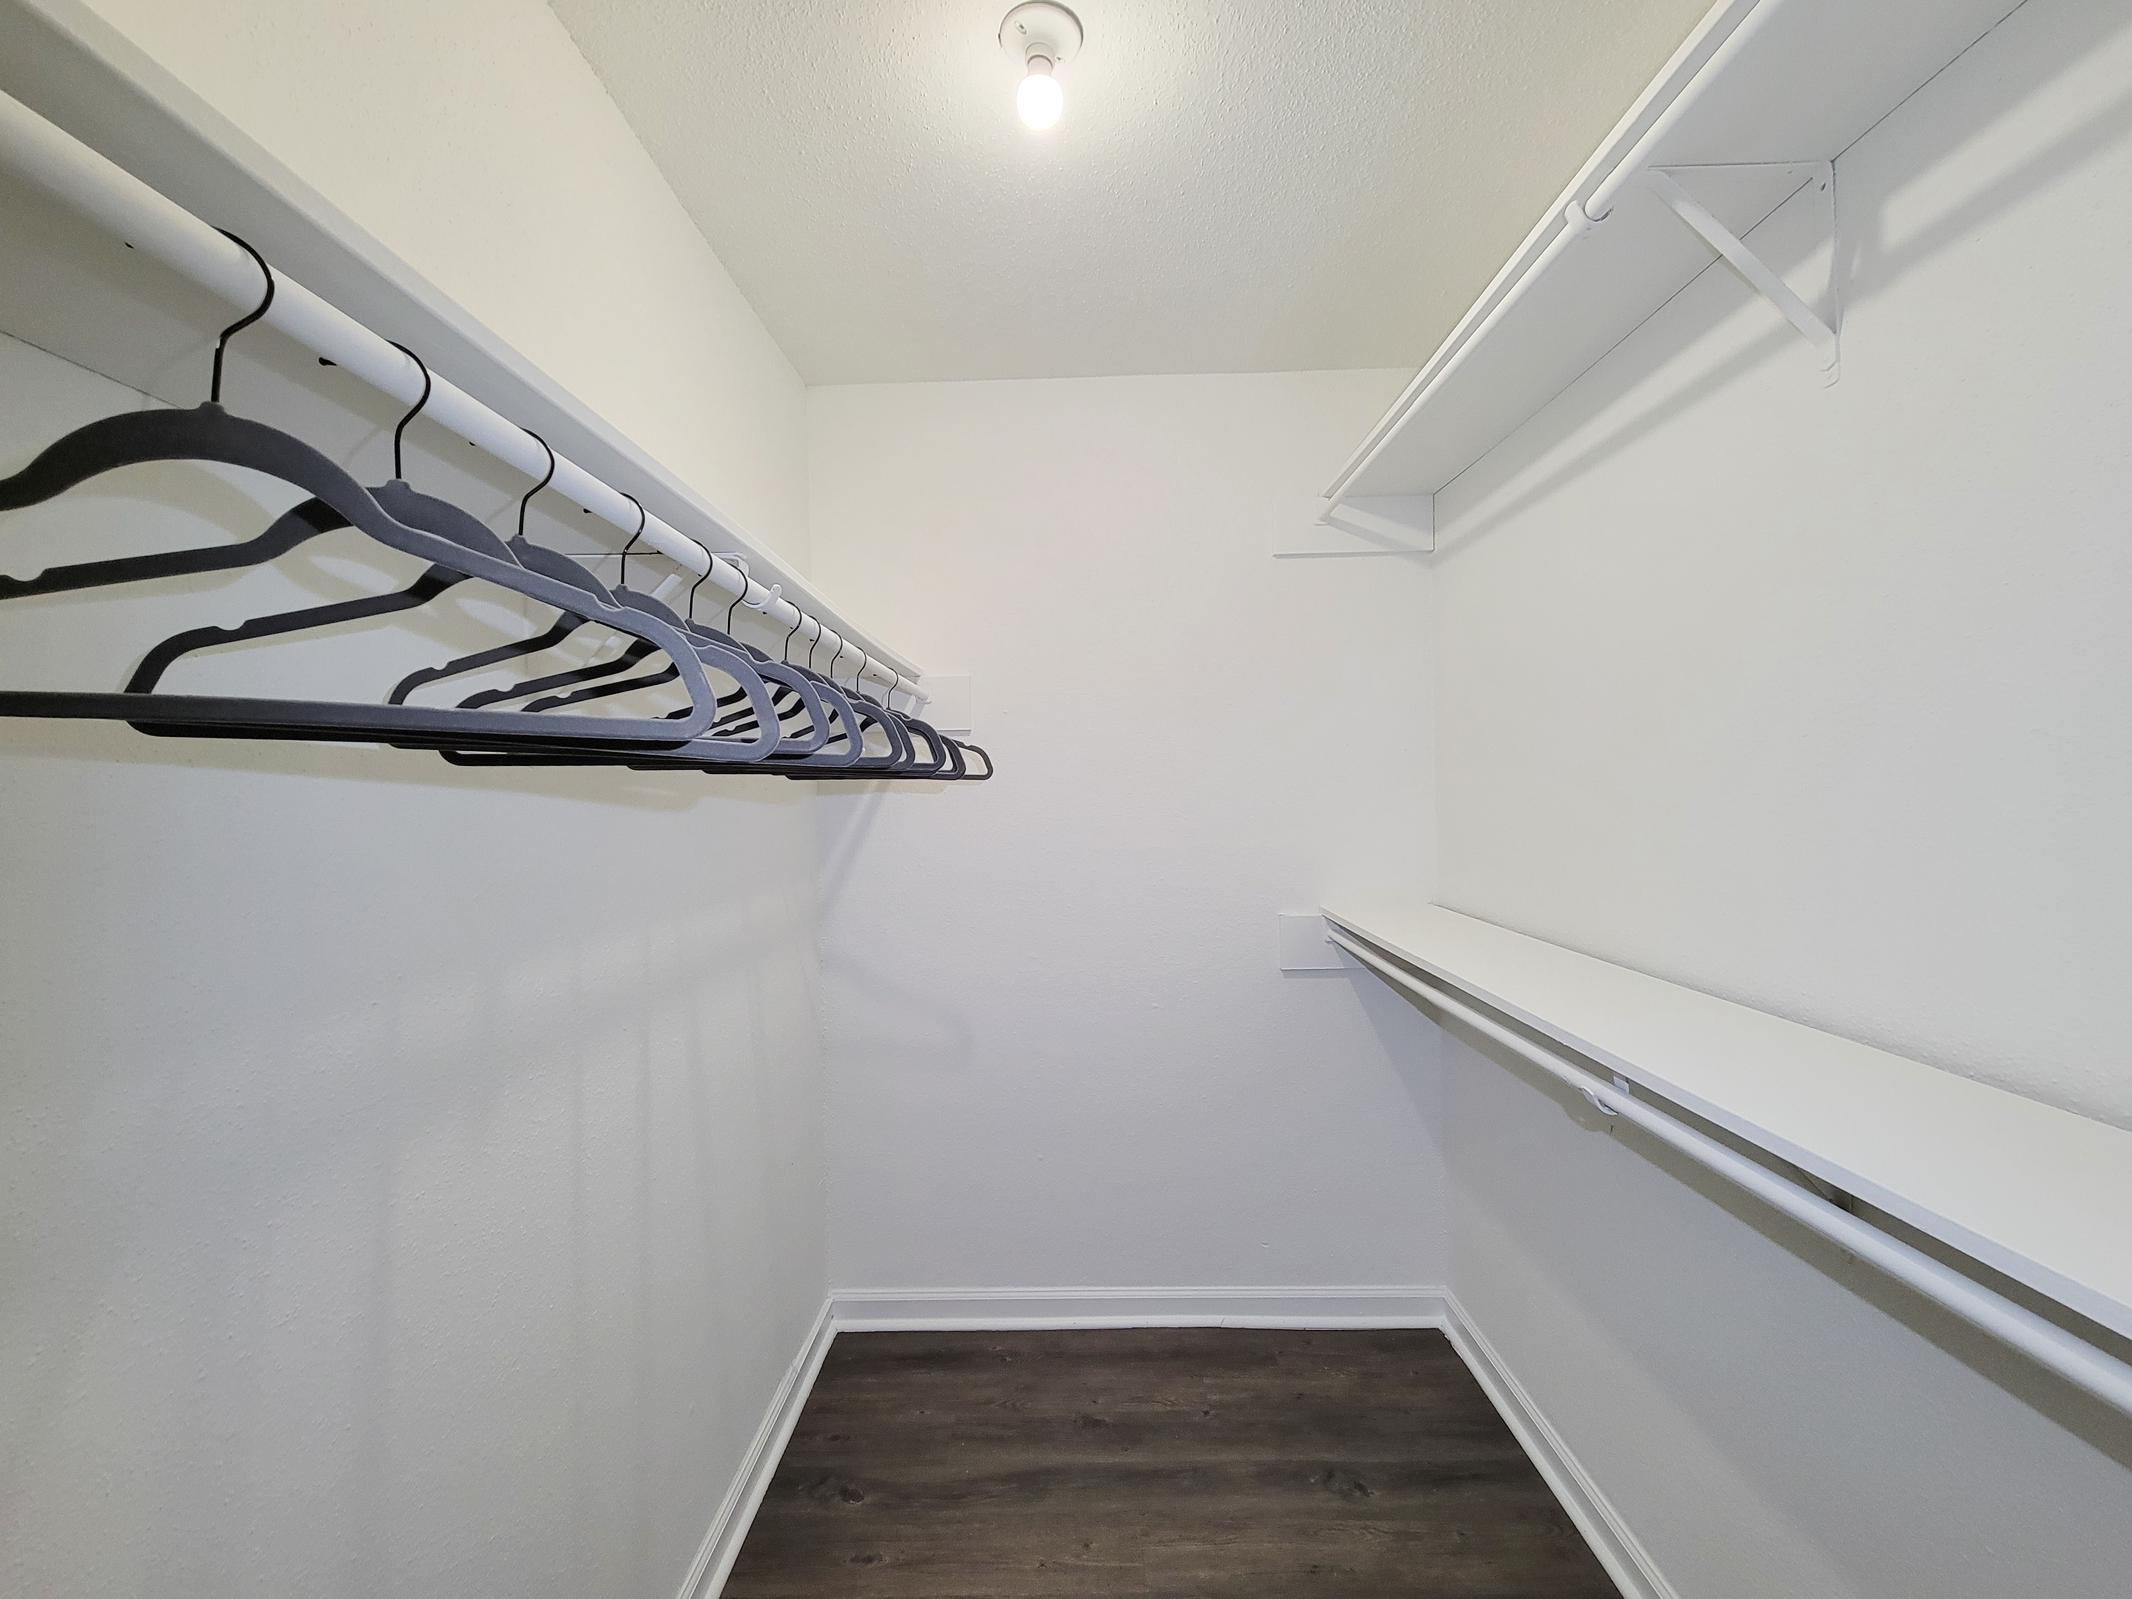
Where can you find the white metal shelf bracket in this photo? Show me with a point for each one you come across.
(1394, 524)
(1760, 275)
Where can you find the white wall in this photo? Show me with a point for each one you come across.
(413, 1176)
(1769, 1417)
(474, 141)
(1817, 699)
(1061, 1052)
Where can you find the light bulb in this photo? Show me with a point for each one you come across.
(1039, 99)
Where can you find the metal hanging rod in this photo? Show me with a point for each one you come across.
(2091, 1369)
(97, 189)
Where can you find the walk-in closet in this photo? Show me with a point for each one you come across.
(1137, 799)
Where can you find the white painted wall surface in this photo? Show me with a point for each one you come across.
(413, 1176)
(1061, 1052)
(1769, 1418)
(473, 140)
(1816, 698)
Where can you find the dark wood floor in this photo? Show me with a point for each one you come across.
(1173, 1463)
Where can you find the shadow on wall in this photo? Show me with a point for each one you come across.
(613, 788)
(903, 1023)
(1787, 1359)
(1862, 255)
(412, 1172)
(1391, 1017)
(321, 1095)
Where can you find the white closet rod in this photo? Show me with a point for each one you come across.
(112, 198)
(2079, 1362)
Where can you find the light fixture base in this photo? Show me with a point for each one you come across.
(1040, 28)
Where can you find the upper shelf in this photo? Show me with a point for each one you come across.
(120, 122)
(1771, 91)
(2035, 1192)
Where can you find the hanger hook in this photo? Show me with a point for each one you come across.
(399, 474)
(622, 580)
(710, 561)
(817, 644)
(547, 477)
(214, 387)
(740, 561)
(798, 616)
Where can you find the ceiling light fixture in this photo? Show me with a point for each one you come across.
(1038, 37)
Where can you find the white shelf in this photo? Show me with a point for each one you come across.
(2037, 1193)
(66, 64)
(1766, 92)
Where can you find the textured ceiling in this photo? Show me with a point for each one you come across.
(1237, 185)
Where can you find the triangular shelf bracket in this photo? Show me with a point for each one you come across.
(1818, 330)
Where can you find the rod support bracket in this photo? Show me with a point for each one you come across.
(1621, 1084)
(1819, 331)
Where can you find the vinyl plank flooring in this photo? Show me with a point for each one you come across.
(1156, 1464)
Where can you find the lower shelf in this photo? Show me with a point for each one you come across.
(2031, 1191)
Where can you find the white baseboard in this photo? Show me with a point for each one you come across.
(1618, 1549)
(721, 1545)
(1028, 1309)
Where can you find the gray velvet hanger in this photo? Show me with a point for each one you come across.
(209, 433)
(449, 521)
(725, 741)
